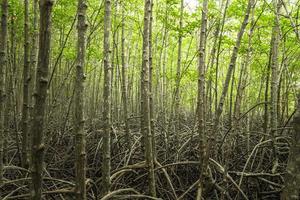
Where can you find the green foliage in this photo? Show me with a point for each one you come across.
(166, 31)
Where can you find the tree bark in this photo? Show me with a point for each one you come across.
(201, 107)
(26, 82)
(151, 102)
(80, 139)
(33, 56)
(176, 102)
(106, 168)
(124, 82)
(41, 83)
(274, 80)
(3, 62)
(145, 105)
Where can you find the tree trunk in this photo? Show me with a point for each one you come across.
(163, 94)
(33, 56)
(26, 82)
(201, 107)
(80, 140)
(151, 103)
(241, 86)
(274, 80)
(107, 101)
(145, 105)
(41, 83)
(3, 61)
(124, 82)
(176, 102)
(231, 98)
(12, 59)
(232, 64)
(219, 52)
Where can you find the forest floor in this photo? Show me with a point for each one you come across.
(241, 165)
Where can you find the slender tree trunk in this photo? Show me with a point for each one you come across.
(231, 98)
(116, 69)
(124, 82)
(33, 56)
(176, 102)
(93, 102)
(242, 82)
(274, 80)
(114, 33)
(8, 108)
(242, 76)
(201, 107)
(12, 57)
(164, 95)
(107, 101)
(145, 105)
(266, 107)
(212, 61)
(232, 64)
(26, 82)
(164, 81)
(80, 140)
(218, 54)
(151, 103)
(33, 63)
(41, 83)
(3, 61)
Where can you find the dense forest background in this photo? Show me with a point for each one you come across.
(153, 99)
